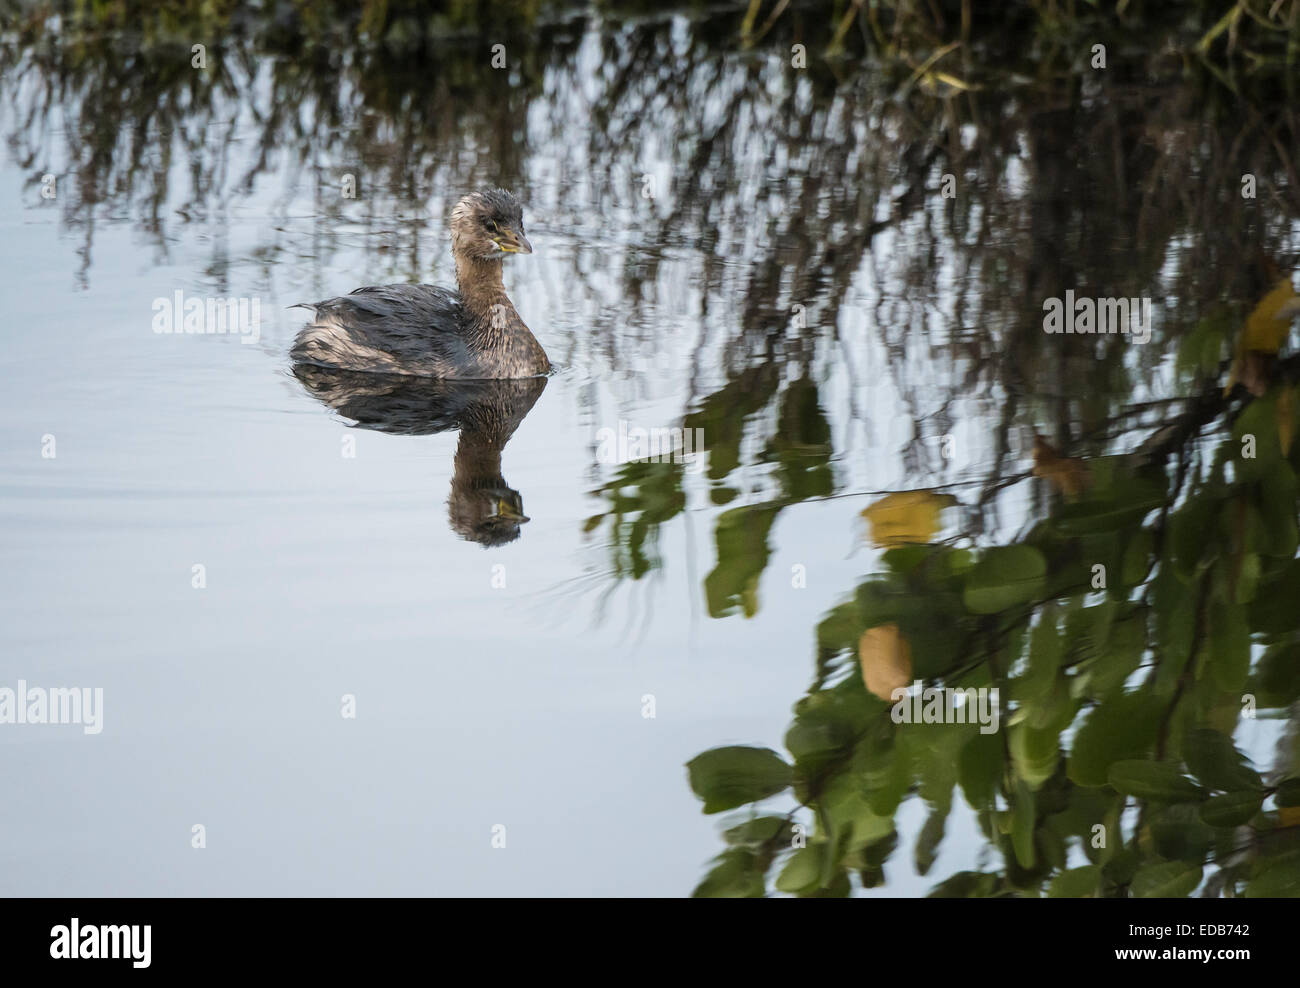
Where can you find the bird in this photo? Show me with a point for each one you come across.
(482, 506)
(472, 333)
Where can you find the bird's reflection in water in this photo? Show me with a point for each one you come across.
(482, 507)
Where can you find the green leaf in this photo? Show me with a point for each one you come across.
(1166, 880)
(1023, 816)
(1216, 763)
(883, 767)
(1123, 505)
(1288, 793)
(1121, 728)
(932, 621)
(979, 767)
(1077, 883)
(936, 752)
(878, 601)
(1229, 646)
(1004, 577)
(834, 886)
(1179, 834)
(1046, 649)
(737, 875)
(1200, 350)
(851, 821)
(1121, 868)
(1273, 610)
(1187, 535)
(1231, 809)
(1174, 612)
(1088, 629)
(1138, 558)
(1257, 419)
(1159, 781)
(729, 777)
(1277, 506)
(906, 558)
(965, 885)
(827, 723)
(958, 561)
(839, 630)
(927, 844)
(1276, 682)
(741, 536)
(1247, 578)
(1276, 877)
(760, 830)
(803, 870)
(1034, 753)
(1123, 653)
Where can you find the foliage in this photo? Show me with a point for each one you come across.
(1117, 691)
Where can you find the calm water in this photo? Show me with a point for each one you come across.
(794, 284)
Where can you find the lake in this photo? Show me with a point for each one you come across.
(329, 667)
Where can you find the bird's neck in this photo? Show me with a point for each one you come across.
(477, 463)
(484, 295)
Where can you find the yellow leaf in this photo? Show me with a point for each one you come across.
(1288, 816)
(886, 660)
(1067, 474)
(1266, 328)
(906, 517)
(1268, 325)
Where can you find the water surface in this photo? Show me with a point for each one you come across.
(723, 243)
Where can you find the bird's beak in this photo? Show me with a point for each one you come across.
(508, 505)
(515, 242)
(507, 511)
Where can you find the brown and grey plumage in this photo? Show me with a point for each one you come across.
(424, 330)
(482, 507)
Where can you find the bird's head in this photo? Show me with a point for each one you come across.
(488, 225)
(490, 515)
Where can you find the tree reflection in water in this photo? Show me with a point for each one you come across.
(834, 271)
